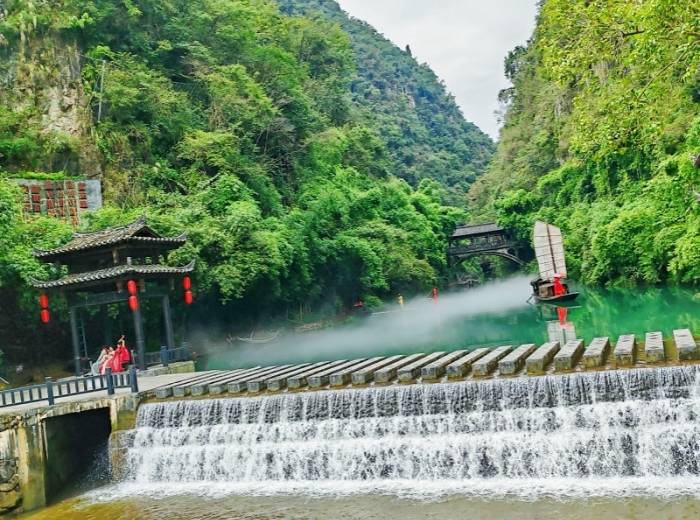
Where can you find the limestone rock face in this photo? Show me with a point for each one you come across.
(44, 78)
(10, 501)
(8, 469)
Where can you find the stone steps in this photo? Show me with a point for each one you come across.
(526, 360)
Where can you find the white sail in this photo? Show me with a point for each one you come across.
(549, 250)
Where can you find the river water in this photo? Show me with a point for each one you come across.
(621, 444)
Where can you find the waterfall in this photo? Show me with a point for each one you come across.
(637, 424)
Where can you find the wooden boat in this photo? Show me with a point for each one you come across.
(255, 340)
(550, 286)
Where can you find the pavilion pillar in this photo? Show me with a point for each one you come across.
(73, 312)
(168, 323)
(140, 342)
(106, 326)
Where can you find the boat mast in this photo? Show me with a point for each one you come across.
(551, 252)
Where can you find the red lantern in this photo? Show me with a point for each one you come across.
(43, 301)
(131, 287)
(188, 298)
(133, 303)
(45, 316)
(187, 283)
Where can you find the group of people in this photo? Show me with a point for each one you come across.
(117, 358)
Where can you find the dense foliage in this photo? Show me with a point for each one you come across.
(234, 122)
(426, 134)
(601, 135)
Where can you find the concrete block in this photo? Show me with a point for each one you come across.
(514, 361)
(686, 345)
(412, 371)
(324, 378)
(220, 386)
(488, 363)
(389, 372)
(237, 387)
(463, 365)
(625, 350)
(164, 393)
(256, 386)
(437, 368)
(569, 355)
(344, 376)
(596, 353)
(537, 362)
(300, 380)
(278, 382)
(366, 375)
(202, 387)
(654, 347)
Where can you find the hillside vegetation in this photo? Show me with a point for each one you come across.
(426, 134)
(240, 125)
(602, 137)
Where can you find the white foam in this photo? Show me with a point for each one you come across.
(631, 433)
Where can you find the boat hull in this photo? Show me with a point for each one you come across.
(562, 298)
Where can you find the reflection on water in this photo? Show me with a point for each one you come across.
(561, 330)
(494, 314)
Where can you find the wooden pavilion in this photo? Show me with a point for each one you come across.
(116, 265)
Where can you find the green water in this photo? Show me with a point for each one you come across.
(497, 313)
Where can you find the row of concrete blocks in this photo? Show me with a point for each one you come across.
(481, 362)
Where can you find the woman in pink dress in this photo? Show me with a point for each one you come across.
(107, 361)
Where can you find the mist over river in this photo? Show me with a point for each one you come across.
(496, 313)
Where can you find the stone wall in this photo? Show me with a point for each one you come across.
(10, 496)
(34, 448)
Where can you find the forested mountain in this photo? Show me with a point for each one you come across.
(240, 125)
(602, 137)
(426, 134)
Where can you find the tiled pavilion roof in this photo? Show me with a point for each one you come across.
(135, 233)
(109, 274)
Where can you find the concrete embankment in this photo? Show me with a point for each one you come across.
(44, 450)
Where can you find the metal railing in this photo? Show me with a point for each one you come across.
(165, 356)
(52, 390)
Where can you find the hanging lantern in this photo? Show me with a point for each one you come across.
(188, 297)
(187, 283)
(131, 287)
(43, 301)
(45, 316)
(133, 303)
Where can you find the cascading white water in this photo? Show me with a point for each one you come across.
(635, 424)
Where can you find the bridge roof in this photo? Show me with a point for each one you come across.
(475, 230)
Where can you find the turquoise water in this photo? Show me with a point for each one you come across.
(497, 313)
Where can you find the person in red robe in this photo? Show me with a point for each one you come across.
(559, 288)
(115, 363)
(122, 353)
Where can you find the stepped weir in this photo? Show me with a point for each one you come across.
(576, 423)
